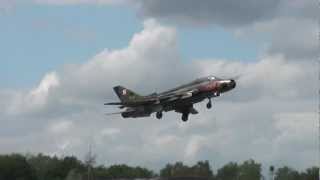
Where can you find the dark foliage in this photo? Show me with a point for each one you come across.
(43, 167)
(16, 167)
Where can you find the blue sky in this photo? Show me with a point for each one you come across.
(36, 39)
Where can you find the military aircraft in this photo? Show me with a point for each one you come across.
(179, 99)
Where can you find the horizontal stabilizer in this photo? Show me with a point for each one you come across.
(114, 103)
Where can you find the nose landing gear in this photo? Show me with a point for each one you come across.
(159, 115)
(209, 104)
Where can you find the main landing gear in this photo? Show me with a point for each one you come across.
(209, 104)
(185, 116)
(159, 115)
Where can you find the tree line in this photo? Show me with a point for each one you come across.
(44, 167)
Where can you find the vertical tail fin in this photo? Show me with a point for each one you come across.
(126, 95)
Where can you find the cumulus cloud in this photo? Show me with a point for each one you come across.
(65, 112)
(271, 76)
(290, 27)
(285, 27)
(297, 39)
(60, 127)
(193, 146)
(290, 127)
(37, 98)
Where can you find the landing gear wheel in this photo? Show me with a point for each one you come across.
(159, 115)
(209, 104)
(185, 117)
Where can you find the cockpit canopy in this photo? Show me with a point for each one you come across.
(211, 78)
(207, 78)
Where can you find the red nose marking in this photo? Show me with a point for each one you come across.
(212, 86)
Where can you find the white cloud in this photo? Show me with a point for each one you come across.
(294, 37)
(195, 143)
(40, 94)
(271, 76)
(245, 123)
(106, 135)
(60, 127)
(110, 132)
(297, 137)
(37, 98)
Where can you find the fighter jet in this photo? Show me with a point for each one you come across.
(179, 99)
